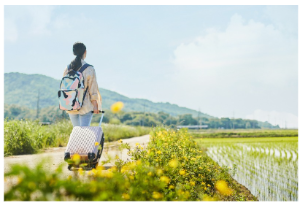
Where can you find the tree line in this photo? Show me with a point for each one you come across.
(136, 118)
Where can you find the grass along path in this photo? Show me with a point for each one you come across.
(28, 137)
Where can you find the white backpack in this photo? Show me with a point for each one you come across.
(72, 90)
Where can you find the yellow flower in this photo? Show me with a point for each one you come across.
(94, 171)
(131, 165)
(100, 168)
(120, 140)
(187, 194)
(159, 172)
(173, 163)
(80, 170)
(96, 143)
(124, 169)
(20, 179)
(171, 187)
(223, 188)
(109, 174)
(76, 158)
(125, 196)
(208, 198)
(150, 174)
(203, 183)
(192, 183)
(116, 107)
(157, 195)
(165, 179)
(182, 172)
(137, 144)
(158, 152)
(114, 169)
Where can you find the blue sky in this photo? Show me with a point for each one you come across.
(225, 60)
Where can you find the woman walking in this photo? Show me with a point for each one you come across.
(91, 96)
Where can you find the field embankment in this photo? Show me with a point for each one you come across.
(27, 137)
(239, 133)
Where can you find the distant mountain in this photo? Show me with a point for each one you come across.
(22, 89)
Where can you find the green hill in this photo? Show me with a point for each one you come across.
(22, 89)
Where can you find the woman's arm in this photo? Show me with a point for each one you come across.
(94, 91)
(95, 104)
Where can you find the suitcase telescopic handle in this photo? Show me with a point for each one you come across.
(102, 112)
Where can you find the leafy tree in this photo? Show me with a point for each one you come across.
(187, 119)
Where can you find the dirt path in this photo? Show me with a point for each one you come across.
(55, 156)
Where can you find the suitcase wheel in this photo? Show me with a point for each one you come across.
(95, 165)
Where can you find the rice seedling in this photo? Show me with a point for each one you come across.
(267, 167)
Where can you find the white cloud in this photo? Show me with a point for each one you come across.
(22, 20)
(237, 67)
(39, 20)
(246, 51)
(276, 118)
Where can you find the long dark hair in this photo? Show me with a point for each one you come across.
(78, 50)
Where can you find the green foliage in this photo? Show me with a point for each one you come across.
(17, 137)
(172, 168)
(133, 118)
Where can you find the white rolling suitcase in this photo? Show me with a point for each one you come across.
(85, 141)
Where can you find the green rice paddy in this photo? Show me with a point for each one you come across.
(267, 166)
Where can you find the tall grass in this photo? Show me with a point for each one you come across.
(27, 137)
(116, 132)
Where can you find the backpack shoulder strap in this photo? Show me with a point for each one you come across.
(84, 67)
